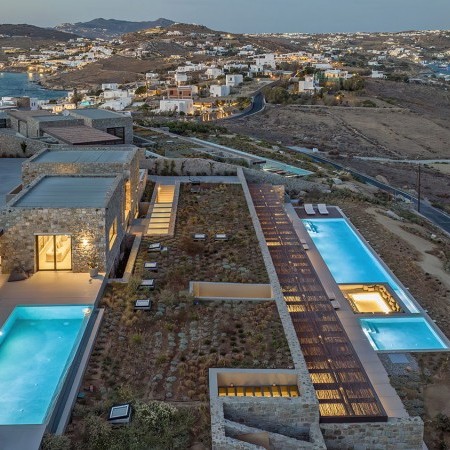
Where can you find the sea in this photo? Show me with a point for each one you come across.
(25, 85)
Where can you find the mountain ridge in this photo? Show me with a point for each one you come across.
(110, 28)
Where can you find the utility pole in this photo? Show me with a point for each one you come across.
(418, 189)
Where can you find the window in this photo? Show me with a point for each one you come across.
(118, 132)
(112, 233)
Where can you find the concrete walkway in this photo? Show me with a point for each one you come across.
(48, 288)
(372, 365)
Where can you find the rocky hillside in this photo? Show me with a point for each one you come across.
(31, 31)
(110, 28)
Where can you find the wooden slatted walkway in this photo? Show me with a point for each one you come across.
(342, 386)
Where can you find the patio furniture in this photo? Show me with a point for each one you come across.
(199, 236)
(150, 284)
(156, 247)
(144, 304)
(309, 209)
(151, 265)
(322, 209)
(220, 237)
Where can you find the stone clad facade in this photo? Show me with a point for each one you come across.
(34, 168)
(88, 228)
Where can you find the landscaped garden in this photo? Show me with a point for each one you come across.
(159, 360)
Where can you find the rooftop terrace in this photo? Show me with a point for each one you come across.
(67, 192)
(80, 134)
(92, 113)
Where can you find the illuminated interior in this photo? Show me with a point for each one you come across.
(54, 252)
(370, 299)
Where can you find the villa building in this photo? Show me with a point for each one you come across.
(64, 223)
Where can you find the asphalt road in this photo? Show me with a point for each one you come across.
(258, 104)
(434, 215)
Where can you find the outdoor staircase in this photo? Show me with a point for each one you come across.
(161, 210)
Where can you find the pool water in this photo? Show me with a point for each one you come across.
(37, 346)
(348, 258)
(406, 334)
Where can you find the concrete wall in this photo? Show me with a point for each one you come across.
(209, 290)
(396, 434)
(88, 228)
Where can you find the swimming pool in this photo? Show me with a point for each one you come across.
(405, 334)
(37, 347)
(348, 258)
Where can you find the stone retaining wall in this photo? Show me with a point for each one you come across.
(396, 434)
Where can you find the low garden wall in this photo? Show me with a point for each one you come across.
(230, 291)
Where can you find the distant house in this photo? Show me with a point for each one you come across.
(213, 72)
(217, 90)
(377, 74)
(110, 86)
(337, 74)
(180, 93)
(180, 106)
(233, 80)
(180, 78)
(308, 85)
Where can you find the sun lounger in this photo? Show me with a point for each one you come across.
(199, 236)
(322, 209)
(152, 266)
(156, 247)
(309, 209)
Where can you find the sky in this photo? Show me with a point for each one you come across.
(243, 16)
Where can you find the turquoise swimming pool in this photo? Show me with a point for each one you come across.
(402, 334)
(37, 347)
(348, 258)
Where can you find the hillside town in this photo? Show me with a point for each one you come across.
(213, 240)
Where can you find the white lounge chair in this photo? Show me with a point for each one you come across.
(322, 209)
(309, 209)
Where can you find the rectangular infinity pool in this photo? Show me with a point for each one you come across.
(37, 347)
(348, 258)
(405, 333)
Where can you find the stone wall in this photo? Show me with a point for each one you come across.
(88, 228)
(396, 434)
(291, 184)
(187, 167)
(10, 145)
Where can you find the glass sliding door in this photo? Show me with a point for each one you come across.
(54, 252)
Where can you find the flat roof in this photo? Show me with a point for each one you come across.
(53, 118)
(68, 192)
(80, 134)
(24, 115)
(93, 113)
(84, 156)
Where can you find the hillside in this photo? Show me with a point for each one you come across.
(31, 31)
(110, 28)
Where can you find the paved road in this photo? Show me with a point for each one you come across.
(438, 217)
(258, 104)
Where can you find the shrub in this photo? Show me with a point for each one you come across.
(54, 442)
